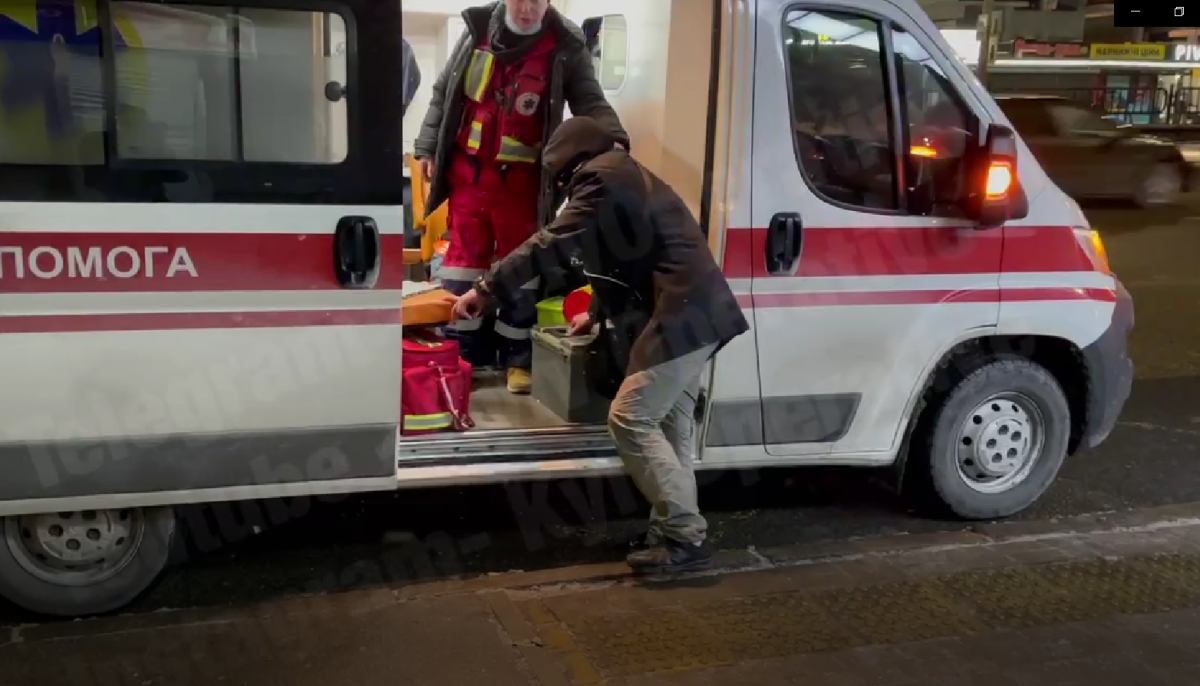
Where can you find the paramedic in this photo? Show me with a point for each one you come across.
(660, 302)
(517, 64)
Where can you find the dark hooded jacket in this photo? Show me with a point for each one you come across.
(636, 243)
(573, 83)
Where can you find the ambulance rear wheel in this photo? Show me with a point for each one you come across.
(74, 564)
(996, 441)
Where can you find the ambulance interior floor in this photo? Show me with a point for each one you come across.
(493, 407)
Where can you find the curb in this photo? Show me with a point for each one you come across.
(746, 560)
(568, 578)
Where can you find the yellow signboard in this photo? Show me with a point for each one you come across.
(1128, 51)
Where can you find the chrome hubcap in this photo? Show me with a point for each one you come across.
(1000, 442)
(75, 548)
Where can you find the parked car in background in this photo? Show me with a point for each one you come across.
(1091, 156)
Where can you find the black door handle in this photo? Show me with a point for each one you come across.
(785, 236)
(356, 252)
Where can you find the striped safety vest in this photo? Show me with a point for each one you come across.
(506, 103)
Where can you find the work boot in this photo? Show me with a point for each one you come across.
(520, 381)
(673, 557)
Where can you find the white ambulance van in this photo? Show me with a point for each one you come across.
(201, 269)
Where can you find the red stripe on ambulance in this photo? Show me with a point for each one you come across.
(913, 251)
(173, 321)
(923, 297)
(37, 262)
(170, 262)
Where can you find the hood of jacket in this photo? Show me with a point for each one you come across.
(574, 142)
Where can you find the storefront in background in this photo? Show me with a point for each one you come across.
(1186, 97)
(1135, 83)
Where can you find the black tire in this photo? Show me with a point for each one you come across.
(39, 595)
(937, 471)
(1166, 174)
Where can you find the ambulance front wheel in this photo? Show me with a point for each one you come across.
(996, 441)
(73, 564)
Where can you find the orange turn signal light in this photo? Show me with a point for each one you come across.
(999, 180)
(1099, 253)
(1093, 246)
(922, 151)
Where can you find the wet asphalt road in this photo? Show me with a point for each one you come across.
(1153, 458)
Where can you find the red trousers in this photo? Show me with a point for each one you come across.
(492, 211)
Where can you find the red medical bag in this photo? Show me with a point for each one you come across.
(435, 387)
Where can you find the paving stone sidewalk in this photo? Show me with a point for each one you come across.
(1031, 605)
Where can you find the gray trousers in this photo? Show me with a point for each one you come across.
(652, 421)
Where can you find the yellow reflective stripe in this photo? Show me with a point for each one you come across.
(513, 150)
(428, 421)
(435, 416)
(475, 138)
(479, 74)
(419, 424)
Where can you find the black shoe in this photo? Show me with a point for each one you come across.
(642, 542)
(672, 557)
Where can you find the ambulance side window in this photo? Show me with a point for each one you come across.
(614, 48)
(846, 128)
(940, 130)
(195, 104)
(51, 92)
(841, 117)
(233, 85)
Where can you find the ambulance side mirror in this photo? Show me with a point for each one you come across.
(996, 195)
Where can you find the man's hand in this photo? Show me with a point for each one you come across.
(581, 325)
(467, 306)
(426, 166)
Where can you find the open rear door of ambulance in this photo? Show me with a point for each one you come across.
(201, 267)
(202, 257)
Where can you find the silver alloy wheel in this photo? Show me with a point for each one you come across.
(1161, 186)
(75, 548)
(1000, 442)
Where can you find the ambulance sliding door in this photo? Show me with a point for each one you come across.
(200, 248)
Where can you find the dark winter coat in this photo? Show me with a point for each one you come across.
(410, 73)
(649, 264)
(573, 83)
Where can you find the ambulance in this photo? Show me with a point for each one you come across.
(202, 282)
